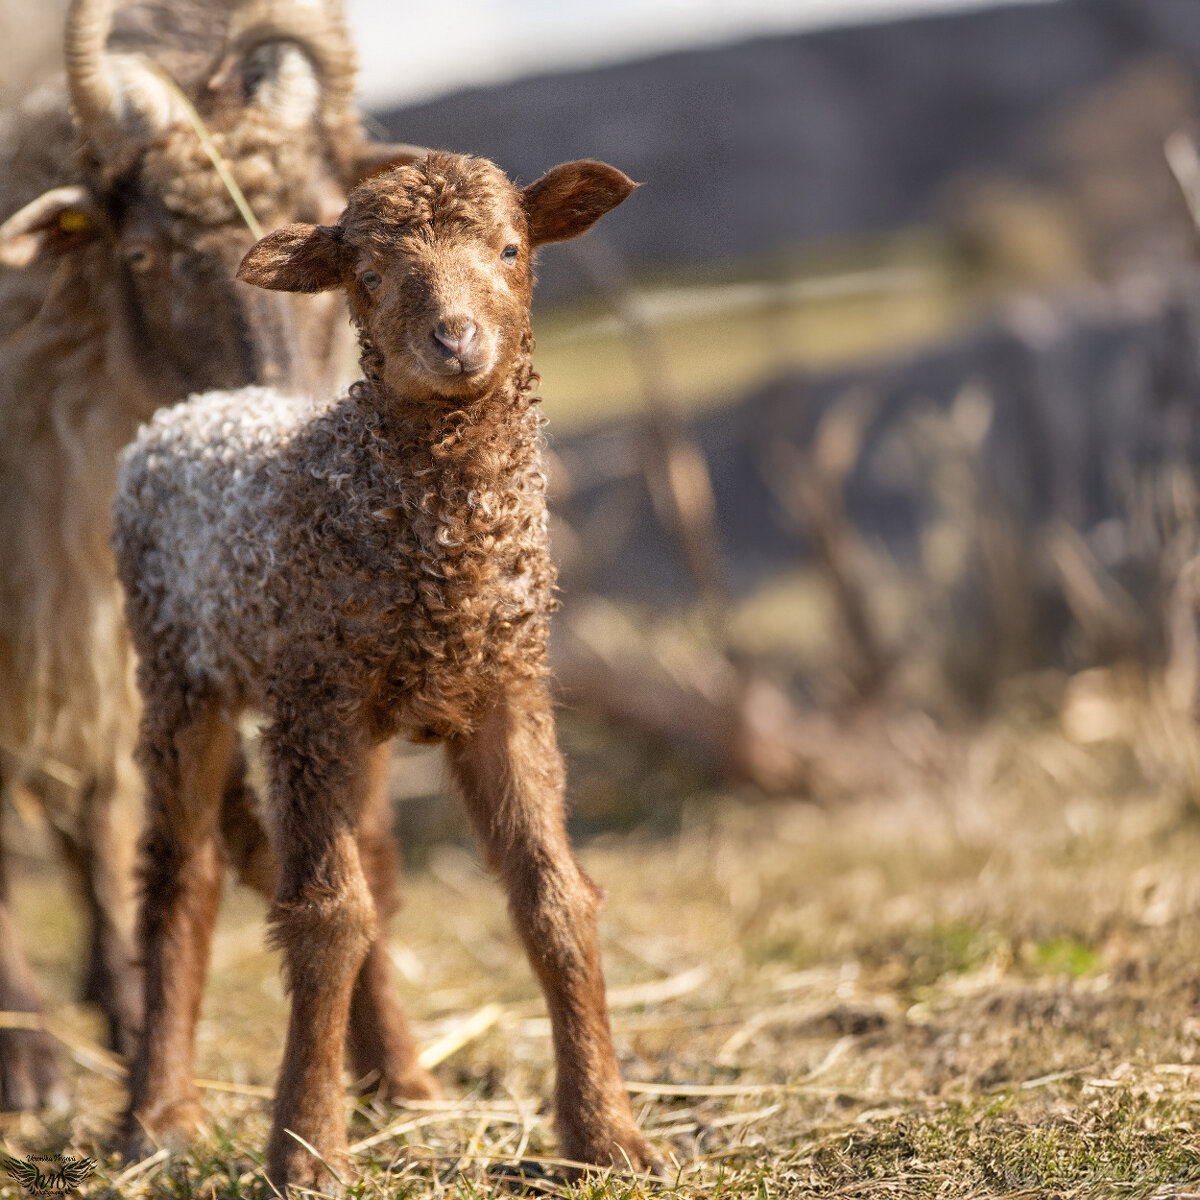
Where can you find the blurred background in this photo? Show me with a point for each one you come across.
(877, 401)
(874, 419)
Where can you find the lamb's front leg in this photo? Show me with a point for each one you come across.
(511, 774)
(324, 921)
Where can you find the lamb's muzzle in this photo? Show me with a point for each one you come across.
(359, 568)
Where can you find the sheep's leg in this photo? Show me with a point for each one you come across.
(186, 761)
(324, 921)
(379, 1040)
(247, 847)
(100, 857)
(29, 1075)
(511, 775)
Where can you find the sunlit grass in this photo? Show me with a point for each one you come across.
(979, 983)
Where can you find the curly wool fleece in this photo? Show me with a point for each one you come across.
(396, 559)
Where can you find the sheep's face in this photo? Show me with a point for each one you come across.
(174, 236)
(437, 262)
(152, 236)
(186, 324)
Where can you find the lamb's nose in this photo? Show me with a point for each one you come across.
(456, 336)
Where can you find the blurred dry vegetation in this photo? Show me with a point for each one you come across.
(879, 657)
(30, 44)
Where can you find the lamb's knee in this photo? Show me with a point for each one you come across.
(326, 921)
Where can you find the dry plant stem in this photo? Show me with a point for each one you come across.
(1184, 162)
(811, 488)
(512, 778)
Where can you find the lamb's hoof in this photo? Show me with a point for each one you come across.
(168, 1125)
(627, 1150)
(416, 1084)
(29, 1074)
(294, 1166)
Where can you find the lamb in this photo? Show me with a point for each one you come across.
(363, 568)
(117, 297)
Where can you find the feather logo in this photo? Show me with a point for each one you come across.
(64, 1173)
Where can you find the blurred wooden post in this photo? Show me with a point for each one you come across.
(676, 473)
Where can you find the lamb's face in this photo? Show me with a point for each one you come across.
(436, 261)
(439, 275)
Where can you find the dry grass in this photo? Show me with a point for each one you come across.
(981, 983)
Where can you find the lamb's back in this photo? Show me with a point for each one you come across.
(195, 528)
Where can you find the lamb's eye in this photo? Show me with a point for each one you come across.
(509, 254)
(139, 258)
(371, 280)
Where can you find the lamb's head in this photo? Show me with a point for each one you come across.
(436, 259)
(152, 220)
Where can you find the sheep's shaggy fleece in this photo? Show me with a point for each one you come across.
(291, 540)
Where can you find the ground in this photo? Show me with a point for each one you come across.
(978, 980)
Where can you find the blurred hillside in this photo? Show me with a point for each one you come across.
(750, 150)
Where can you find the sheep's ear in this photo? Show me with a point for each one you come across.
(56, 222)
(373, 158)
(296, 258)
(572, 197)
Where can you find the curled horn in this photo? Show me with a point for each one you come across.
(90, 76)
(318, 28)
(112, 95)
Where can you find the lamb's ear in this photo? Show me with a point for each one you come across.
(373, 158)
(572, 197)
(296, 258)
(56, 222)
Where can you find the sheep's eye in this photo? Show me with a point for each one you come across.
(371, 280)
(509, 253)
(139, 258)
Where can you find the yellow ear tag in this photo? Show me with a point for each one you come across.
(71, 220)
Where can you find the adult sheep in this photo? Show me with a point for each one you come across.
(117, 296)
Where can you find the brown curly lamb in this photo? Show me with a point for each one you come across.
(363, 568)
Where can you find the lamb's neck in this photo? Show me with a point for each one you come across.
(483, 445)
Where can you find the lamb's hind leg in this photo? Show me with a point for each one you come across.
(379, 1041)
(186, 749)
(511, 774)
(324, 921)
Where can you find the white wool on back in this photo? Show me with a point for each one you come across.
(197, 485)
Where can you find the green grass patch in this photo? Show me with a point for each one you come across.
(1064, 955)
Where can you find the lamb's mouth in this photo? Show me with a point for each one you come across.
(451, 366)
